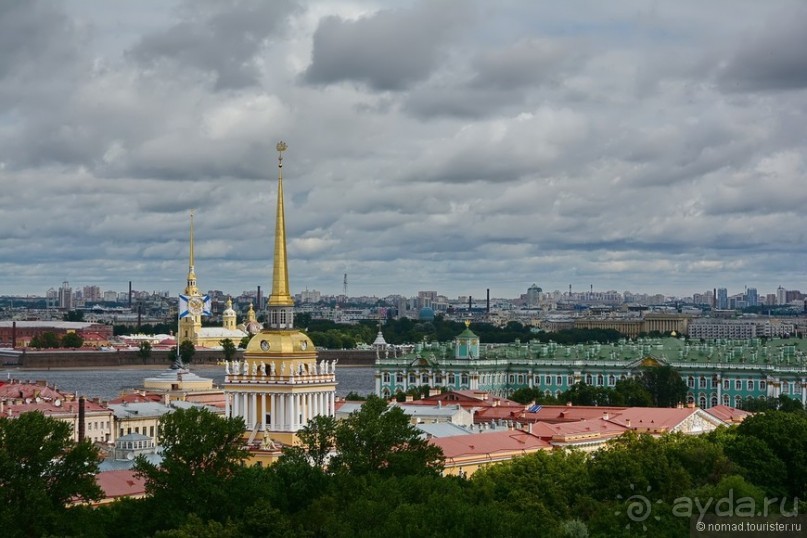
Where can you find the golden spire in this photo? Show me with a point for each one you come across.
(191, 289)
(280, 279)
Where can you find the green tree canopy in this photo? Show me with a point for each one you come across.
(73, 340)
(186, 351)
(228, 348)
(378, 438)
(41, 470)
(202, 452)
(145, 349)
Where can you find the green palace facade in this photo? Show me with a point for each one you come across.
(716, 372)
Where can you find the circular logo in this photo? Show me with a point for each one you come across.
(196, 306)
(264, 345)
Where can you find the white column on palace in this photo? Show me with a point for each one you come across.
(227, 405)
(236, 408)
(263, 411)
(254, 408)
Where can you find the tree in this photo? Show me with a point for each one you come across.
(186, 351)
(145, 350)
(244, 342)
(45, 340)
(318, 438)
(73, 340)
(380, 439)
(202, 452)
(74, 315)
(41, 470)
(227, 348)
(665, 385)
(632, 392)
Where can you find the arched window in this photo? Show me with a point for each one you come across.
(588, 379)
(725, 399)
(713, 401)
(691, 382)
(702, 402)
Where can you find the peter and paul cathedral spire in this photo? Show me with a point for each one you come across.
(190, 288)
(280, 305)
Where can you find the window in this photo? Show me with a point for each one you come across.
(691, 382)
(549, 380)
(726, 384)
(537, 380)
(412, 379)
(738, 401)
(512, 379)
(452, 379)
(570, 380)
(588, 379)
(600, 380)
(738, 384)
(713, 401)
(725, 399)
(399, 378)
(702, 402)
(424, 379)
(702, 383)
(438, 379)
(611, 380)
(559, 380)
(786, 387)
(464, 379)
(750, 384)
(763, 384)
(386, 377)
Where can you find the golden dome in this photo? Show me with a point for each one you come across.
(278, 344)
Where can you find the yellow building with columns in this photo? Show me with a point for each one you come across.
(279, 385)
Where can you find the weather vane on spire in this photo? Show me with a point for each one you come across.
(281, 147)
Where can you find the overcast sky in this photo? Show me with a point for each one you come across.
(432, 145)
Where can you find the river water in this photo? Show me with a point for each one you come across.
(107, 383)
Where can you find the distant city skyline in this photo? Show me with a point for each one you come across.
(721, 294)
(457, 145)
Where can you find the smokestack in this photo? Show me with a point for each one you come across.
(130, 294)
(714, 298)
(488, 302)
(258, 306)
(470, 301)
(13, 335)
(81, 411)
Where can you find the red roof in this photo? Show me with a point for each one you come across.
(124, 483)
(491, 444)
(730, 415)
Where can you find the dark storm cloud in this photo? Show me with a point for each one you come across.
(773, 58)
(38, 44)
(218, 37)
(389, 50)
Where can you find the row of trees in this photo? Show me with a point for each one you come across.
(383, 480)
(655, 386)
(49, 339)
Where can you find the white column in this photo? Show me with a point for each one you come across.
(263, 411)
(236, 407)
(283, 411)
(227, 404)
(292, 410)
(254, 408)
(331, 406)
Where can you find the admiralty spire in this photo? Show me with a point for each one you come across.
(279, 385)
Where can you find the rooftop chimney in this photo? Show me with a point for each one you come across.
(81, 412)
